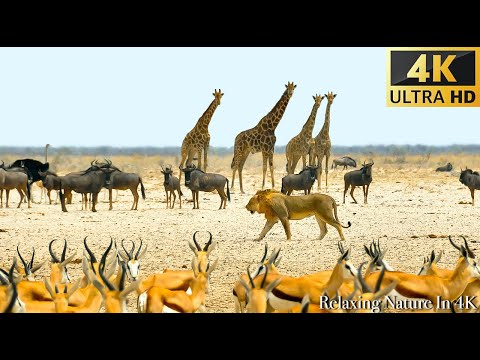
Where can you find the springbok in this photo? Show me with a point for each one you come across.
(257, 297)
(133, 261)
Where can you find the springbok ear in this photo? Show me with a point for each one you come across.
(386, 290)
(244, 284)
(49, 288)
(213, 267)
(273, 285)
(73, 288)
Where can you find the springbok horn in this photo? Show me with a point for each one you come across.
(25, 265)
(33, 255)
(379, 280)
(470, 252)
(264, 278)
(138, 251)
(432, 257)
(367, 250)
(205, 248)
(130, 254)
(250, 277)
(54, 258)
(365, 287)
(453, 244)
(64, 250)
(140, 256)
(92, 257)
(437, 258)
(195, 241)
(265, 253)
(273, 257)
(101, 268)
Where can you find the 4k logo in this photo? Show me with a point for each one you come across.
(433, 77)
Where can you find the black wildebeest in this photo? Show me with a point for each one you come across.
(471, 179)
(447, 167)
(361, 177)
(197, 180)
(344, 161)
(91, 181)
(172, 184)
(302, 181)
(120, 180)
(14, 178)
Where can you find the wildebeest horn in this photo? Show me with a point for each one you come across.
(195, 241)
(453, 244)
(54, 258)
(470, 252)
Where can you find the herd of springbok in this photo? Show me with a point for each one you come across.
(340, 289)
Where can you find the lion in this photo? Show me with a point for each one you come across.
(277, 206)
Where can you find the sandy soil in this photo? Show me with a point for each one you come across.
(411, 210)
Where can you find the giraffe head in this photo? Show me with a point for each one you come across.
(218, 95)
(330, 96)
(318, 99)
(290, 87)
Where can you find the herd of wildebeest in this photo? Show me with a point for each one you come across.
(264, 289)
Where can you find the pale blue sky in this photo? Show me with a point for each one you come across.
(154, 96)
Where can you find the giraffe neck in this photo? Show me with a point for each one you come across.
(307, 129)
(326, 124)
(271, 120)
(204, 120)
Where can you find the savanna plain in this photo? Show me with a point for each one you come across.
(411, 209)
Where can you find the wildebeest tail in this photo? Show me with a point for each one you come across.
(336, 215)
(142, 189)
(228, 191)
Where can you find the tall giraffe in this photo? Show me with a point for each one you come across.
(260, 138)
(323, 145)
(198, 139)
(299, 146)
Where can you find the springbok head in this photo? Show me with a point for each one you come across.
(133, 261)
(28, 269)
(256, 297)
(428, 261)
(202, 254)
(468, 256)
(59, 266)
(60, 298)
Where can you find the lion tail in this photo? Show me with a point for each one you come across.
(336, 215)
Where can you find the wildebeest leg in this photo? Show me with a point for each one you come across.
(7, 194)
(110, 198)
(1, 198)
(266, 228)
(322, 225)
(49, 197)
(286, 226)
(345, 191)
(180, 198)
(270, 164)
(21, 197)
(472, 192)
(135, 198)
(174, 197)
(366, 194)
(166, 197)
(94, 201)
(351, 194)
(223, 197)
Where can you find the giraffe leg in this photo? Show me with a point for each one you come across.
(265, 159)
(270, 163)
(205, 156)
(304, 161)
(182, 162)
(240, 170)
(199, 157)
(327, 157)
(319, 171)
(295, 161)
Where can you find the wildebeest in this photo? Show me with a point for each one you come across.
(197, 180)
(172, 184)
(50, 181)
(361, 177)
(117, 179)
(91, 181)
(471, 179)
(344, 161)
(14, 178)
(447, 167)
(302, 181)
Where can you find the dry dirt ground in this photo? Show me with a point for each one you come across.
(411, 209)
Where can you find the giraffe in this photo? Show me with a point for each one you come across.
(260, 138)
(323, 144)
(299, 146)
(198, 139)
